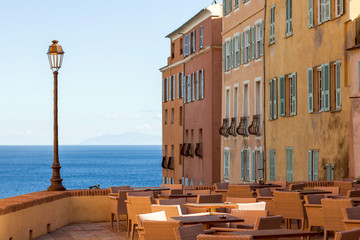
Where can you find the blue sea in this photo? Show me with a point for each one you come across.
(26, 169)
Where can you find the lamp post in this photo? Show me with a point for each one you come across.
(55, 55)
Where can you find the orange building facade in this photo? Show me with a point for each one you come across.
(191, 144)
(242, 145)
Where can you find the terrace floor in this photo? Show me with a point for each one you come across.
(100, 231)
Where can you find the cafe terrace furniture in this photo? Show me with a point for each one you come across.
(197, 192)
(313, 210)
(351, 218)
(170, 210)
(252, 206)
(348, 235)
(272, 233)
(211, 206)
(159, 230)
(154, 216)
(172, 186)
(177, 201)
(174, 196)
(136, 205)
(141, 193)
(241, 191)
(290, 206)
(297, 186)
(333, 190)
(207, 219)
(118, 207)
(223, 237)
(344, 186)
(353, 193)
(332, 214)
(249, 217)
(266, 195)
(188, 232)
(224, 186)
(241, 200)
(212, 198)
(116, 189)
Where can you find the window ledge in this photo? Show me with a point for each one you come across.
(271, 43)
(335, 111)
(237, 68)
(248, 2)
(236, 8)
(259, 59)
(246, 64)
(227, 15)
(289, 35)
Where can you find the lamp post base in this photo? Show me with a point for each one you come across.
(56, 185)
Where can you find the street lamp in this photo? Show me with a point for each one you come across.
(55, 55)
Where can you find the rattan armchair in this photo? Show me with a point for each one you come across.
(332, 214)
(313, 210)
(223, 237)
(135, 206)
(265, 195)
(118, 207)
(159, 230)
(348, 235)
(290, 206)
(188, 232)
(241, 200)
(353, 193)
(351, 217)
(197, 192)
(170, 210)
(142, 193)
(116, 189)
(212, 198)
(344, 187)
(241, 191)
(175, 201)
(297, 186)
(249, 217)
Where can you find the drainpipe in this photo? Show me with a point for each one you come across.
(264, 132)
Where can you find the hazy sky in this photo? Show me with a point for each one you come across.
(109, 81)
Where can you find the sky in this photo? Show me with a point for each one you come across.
(109, 82)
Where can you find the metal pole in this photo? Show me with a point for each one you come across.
(56, 181)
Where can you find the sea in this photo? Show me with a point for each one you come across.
(26, 169)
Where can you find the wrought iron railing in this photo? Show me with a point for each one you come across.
(254, 128)
(164, 163)
(170, 164)
(189, 150)
(224, 128)
(232, 128)
(199, 150)
(243, 126)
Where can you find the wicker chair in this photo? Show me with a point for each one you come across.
(252, 206)
(249, 217)
(170, 210)
(265, 195)
(313, 210)
(118, 207)
(159, 230)
(241, 191)
(353, 193)
(172, 186)
(265, 223)
(241, 200)
(212, 198)
(141, 193)
(176, 201)
(197, 192)
(348, 235)
(344, 186)
(351, 217)
(222, 186)
(290, 206)
(333, 190)
(136, 206)
(332, 214)
(116, 189)
(297, 186)
(223, 237)
(188, 232)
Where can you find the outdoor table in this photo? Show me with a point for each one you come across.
(272, 233)
(172, 196)
(211, 206)
(208, 219)
(306, 191)
(266, 185)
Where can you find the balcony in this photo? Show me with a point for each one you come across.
(254, 128)
(199, 150)
(232, 128)
(164, 163)
(243, 127)
(170, 164)
(183, 149)
(224, 128)
(189, 150)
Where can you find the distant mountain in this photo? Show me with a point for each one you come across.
(127, 138)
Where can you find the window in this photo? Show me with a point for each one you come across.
(247, 44)
(273, 99)
(180, 116)
(226, 7)
(202, 84)
(227, 102)
(197, 85)
(164, 89)
(237, 50)
(172, 50)
(272, 24)
(329, 172)
(166, 116)
(289, 20)
(172, 116)
(189, 88)
(257, 98)
(246, 101)
(170, 89)
(324, 11)
(245, 165)
(193, 86)
(257, 165)
(181, 46)
(272, 165)
(167, 89)
(236, 92)
(183, 82)
(178, 85)
(310, 13)
(289, 164)
(201, 37)
(193, 41)
(257, 40)
(287, 95)
(324, 87)
(228, 47)
(226, 164)
(236, 3)
(339, 7)
(313, 165)
(186, 45)
(173, 87)
(189, 44)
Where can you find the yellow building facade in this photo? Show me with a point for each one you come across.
(307, 89)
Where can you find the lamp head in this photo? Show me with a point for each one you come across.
(55, 55)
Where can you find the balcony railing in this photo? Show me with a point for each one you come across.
(224, 128)
(254, 128)
(199, 150)
(164, 163)
(232, 128)
(183, 149)
(189, 150)
(170, 164)
(243, 127)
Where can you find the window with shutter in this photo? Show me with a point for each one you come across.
(164, 85)
(243, 47)
(248, 165)
(261, 39)
(201, 37)
(253, 42)
(249, 45)
(189, 88)
(310, 13)
(178, 85)
(282, 96)
(327, 10)
(289, 166)
(189, 44)
(186, 45)
(288, 17)
(271, 100)
(197, 85)
(253, 166)
(233, 52)
(242, 165)
(194, 41)
(262, 168)
(315, 165)
(167, 89)
(325, 69)
(339, 8)
(174, 87)
(170, 88)
(328, 172)
(272, 24)
(310, 90)
(236, 3)
(229, 6)
(202, 85)
(226, 164)
(238, 46)
(275, 98)
(310, 166)
(338, 85)
(224, 56)
(193, 86)
(230, 53)
(272, 165)
(224, 8)
(183, 85)
(293, 94)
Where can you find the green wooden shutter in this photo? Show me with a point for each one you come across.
(309, 166)
(322, 10)
(224, 7)
(272, 165)
(248, 165)
(239, 47)
(327, 10)
(163, 90)
(338, 85)
(242, 165)
(197, 85)
(332, 172)
(325, 71)
(328, 176)
(310, 90)
(275, 98)
(341, 7)
(224, 56)
(282, 96)
(226, 164)
(229, 6)
(272, 24)
(194, 41)
(202, 86)
(262, 175)
(290, 17)
(261, 50)
(287, 17)
(193, 86)
(232, 57)
(316, 165)
(243, 48)
(290, 160)
(293, 94)
(271, 85)
(310, 13)
(249, 45)
(253, 166)
(253, 42)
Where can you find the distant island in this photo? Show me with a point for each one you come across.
(127, 138)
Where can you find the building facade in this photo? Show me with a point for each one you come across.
(242, 91)
(191, 145)
(307, 104)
